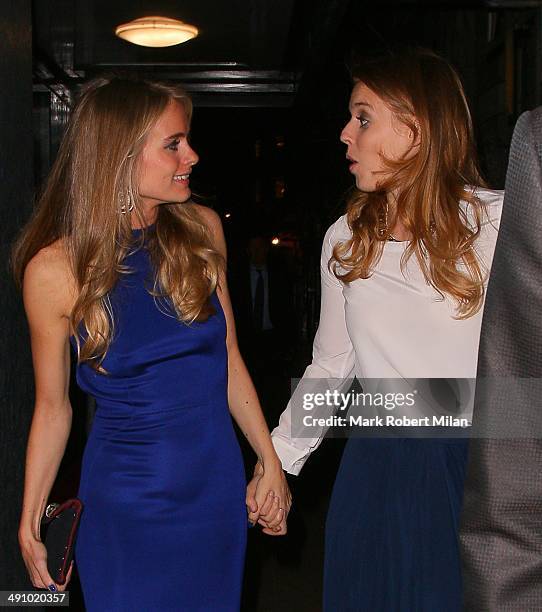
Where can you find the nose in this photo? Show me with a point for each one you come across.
(345, 136)
(191, 157)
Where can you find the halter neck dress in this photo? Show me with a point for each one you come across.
(163, 485)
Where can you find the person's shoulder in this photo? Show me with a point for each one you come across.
(212, 222)
(48, 277)
(210, 217)
(338, 231)
(491, 201)
(49, 262)
(528, 122)
(490, 197)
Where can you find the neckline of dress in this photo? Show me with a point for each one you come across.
(138, 230)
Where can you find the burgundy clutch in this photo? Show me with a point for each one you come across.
(58, 530)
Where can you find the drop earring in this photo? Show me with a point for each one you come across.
(123, 201)
(382, 228)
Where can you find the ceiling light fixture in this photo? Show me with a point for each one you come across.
(156, 32)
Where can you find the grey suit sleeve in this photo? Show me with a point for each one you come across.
(501, 530)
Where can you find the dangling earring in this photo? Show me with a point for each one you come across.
(382, 229)
(123, 200)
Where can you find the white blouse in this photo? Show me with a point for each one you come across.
(389, 326)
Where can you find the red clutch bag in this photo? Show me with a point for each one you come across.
(58, 531)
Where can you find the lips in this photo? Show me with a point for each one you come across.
(183, 179)
(352, 164)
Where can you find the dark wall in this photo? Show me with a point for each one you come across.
(16, 186)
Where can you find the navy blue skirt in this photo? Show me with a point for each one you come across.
(392, 527)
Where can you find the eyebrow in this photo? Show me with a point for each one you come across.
(361, 103)
(177, 135)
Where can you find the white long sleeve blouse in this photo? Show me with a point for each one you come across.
(391, 325)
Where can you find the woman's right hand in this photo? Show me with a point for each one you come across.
(35, 558)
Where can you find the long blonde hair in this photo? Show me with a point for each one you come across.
(425, 93)
(95, 172)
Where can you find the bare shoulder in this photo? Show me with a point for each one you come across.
(214, 224)
(210, 217)
(48, 282)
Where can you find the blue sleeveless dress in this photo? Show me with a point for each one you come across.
(163, 486)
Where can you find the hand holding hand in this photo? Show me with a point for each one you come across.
(269, 499)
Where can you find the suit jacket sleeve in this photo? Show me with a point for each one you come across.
(501, 530)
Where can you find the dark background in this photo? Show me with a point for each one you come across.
(270, 85)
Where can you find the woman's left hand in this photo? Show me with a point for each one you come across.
(269, 499)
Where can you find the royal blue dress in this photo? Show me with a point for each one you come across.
(163, 485)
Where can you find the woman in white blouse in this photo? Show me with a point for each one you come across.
(403, 276)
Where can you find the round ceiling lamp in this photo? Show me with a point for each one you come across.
(156, 32)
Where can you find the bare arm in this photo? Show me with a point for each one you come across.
(246, 410)
(46, 299)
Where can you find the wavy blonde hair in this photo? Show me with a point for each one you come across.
(425, 93)
(94, 173)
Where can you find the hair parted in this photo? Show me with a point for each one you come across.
(95, 170)
(425, 93)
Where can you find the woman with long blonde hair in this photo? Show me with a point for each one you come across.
(119, 263)
(403, 276)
